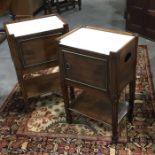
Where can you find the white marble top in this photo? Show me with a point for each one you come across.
(34, 26)
(95, 40)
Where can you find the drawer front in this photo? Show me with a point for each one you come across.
(37, 51)
(86, 70)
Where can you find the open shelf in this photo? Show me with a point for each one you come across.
(42, 84)
(96, 108)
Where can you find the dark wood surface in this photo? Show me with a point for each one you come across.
(102, 77)
(140, 17)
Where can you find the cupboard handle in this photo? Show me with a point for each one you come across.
(127, 57)
(68, 66)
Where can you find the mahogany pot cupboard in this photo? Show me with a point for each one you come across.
(101, 63)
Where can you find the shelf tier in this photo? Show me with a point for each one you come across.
(97, 108)
(42, 84)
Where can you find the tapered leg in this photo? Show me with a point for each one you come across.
(67, 3)
(115, 101)
(47, 7)
(73, 3)
(72, 94)
(131, 100)
(26, 105)
(79, 4)
(25, 98)
(66, 102)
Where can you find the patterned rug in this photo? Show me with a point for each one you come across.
(44, 131)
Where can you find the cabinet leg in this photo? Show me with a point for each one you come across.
(66, 102)
(72, 94)
(26, 105)
(79, 4)
(25, 98)
(47, 7)
(115, 102)
(58, 6)
(115, 130)
(131, 100)
(26, 101)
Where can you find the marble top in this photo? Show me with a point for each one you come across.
(95, 40)
(34, 26)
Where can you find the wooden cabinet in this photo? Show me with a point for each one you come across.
(34, 50)
(100, 63)
(140, 17)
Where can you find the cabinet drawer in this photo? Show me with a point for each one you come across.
(86, 70)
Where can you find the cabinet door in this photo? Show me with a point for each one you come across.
(36, 51)
(86, 70)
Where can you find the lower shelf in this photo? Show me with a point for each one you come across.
(97, 108)
(42, 84)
